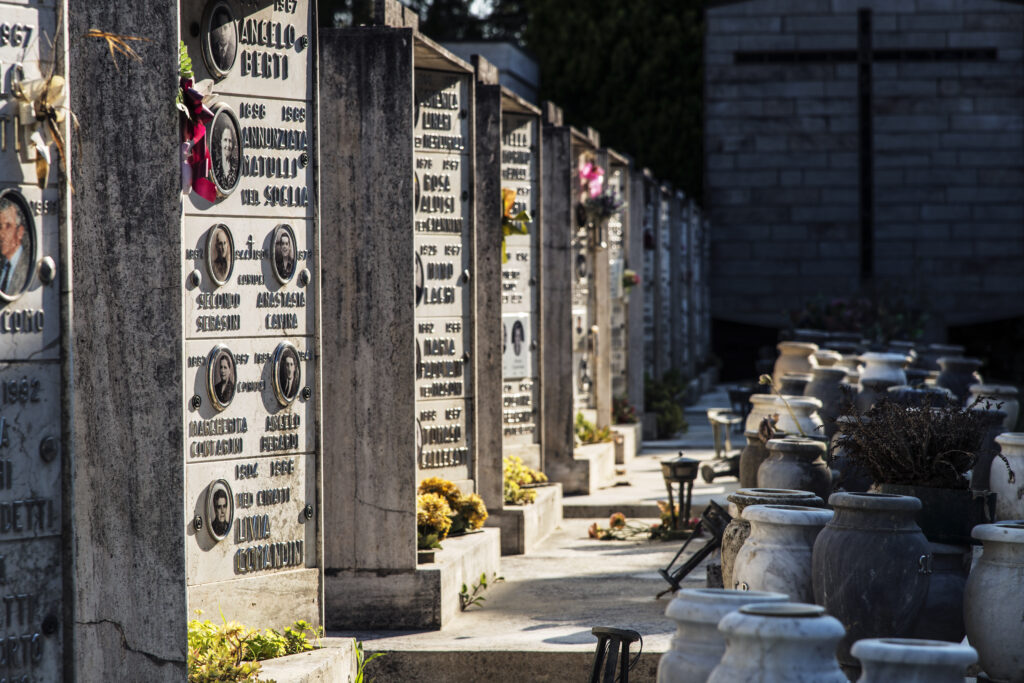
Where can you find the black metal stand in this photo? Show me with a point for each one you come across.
(714, 519)
(612, 648)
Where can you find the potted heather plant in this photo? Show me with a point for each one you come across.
(926, 453)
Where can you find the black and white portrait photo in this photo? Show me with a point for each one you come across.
(225, 150)
(516, 357)
(220, 38)
(287, 373)
(581, 266)
(220, 253)
(518, 337)
(284, 253)
(419, 279)
(220, 509)
(221, 377)
(17, 244)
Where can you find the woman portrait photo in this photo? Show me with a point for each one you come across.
(220, 509)
(221, 377)
(225, 150)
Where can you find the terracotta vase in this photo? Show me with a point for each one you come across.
(777, 555)
(738, 530)
(907, 660)
(796, 463)
(793, 357)
(1004, 394)
(958, 374)
(994, 601)
(1009, 494)
(787, 642)
(826, 385)
(884, 366)
(871, 567)
(698, 646)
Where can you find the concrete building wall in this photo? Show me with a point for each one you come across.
(783, 169)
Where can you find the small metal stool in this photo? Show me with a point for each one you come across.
(613, 649)
(721, 420)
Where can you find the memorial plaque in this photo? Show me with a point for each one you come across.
(30, 380)
(442, 238)
(519, 277)
(249, 272)
(650, 286)
(664, 284)
(616, 266)
(584, 312)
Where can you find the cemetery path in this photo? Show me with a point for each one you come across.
(535, 625)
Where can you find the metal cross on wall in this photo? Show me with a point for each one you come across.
(864, 56)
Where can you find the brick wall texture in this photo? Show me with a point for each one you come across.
(781, 145)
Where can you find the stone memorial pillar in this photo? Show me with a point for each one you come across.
(636, 258)
(682, 356)
(399, 326)
(652, 291)
(33, 305)
(665, 262)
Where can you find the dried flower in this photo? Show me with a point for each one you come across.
(433, 515)
(617, 520)
(473, 510)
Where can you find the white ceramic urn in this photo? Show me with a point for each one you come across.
(884, 367)
(777, 554)
(795, 357)
(906, 660)
(999, 393)
(697, 646)
(805, 409)
(1009, 494)
(994, 601)
(788, 642)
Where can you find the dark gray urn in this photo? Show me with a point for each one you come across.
(795, 383)
(958, 374)
(942, 616)
(981, 473)
(847, 474)
(751, 457)
(870, 391)
(826, 385)
(928, 357)
(871, 567)
(920, 396)
(738, 530)
(796, 463)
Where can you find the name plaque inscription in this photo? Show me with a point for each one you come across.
(442, 262)
(31, 447)
(519, 277)
(249, 273)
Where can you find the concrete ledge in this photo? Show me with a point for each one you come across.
(333, 664)
(270, 601)
(592, 468)
(524, 526)
(426, 597)
(473, 666)
(632, 444)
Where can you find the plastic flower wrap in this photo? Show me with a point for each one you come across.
(591, 180)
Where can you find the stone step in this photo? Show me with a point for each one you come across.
(334, 663)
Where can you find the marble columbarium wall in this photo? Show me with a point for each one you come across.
(249, 273)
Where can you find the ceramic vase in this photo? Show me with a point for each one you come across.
(907, 660)
(751, 457)
(804, 409)
(887, 366)
(958, 374)
(994, 601)
(826, 385)
(777, 554)
(698, 646)
(847, 474)
(993, 419)
(794, 383)
(930, 355)
(793, 357)
(917, 397)
(738, 530)
(1009, 494)
(871, 567)
(796, 463)
(870, 391)
(826, 358)
(998, 393)
(787, 642)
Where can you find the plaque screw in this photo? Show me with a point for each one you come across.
(533, 345)
(463, 113)
(197, 523)
(533, 281)
(50, 625)
(195, 277)
(465, 275)
(465, 357)
(308, 511)
(303, 42)
(193, 28)
(465, 195)
(48, 449)
(47, 270)
(196, 402)
(304, 159)
(303, 277)
(306, 393)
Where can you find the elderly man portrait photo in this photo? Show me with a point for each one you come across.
(15, 247)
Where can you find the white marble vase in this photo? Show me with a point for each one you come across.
(906, 660)
(1009, 494)
(994, 602)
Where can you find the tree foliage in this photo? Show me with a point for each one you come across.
(632, 70)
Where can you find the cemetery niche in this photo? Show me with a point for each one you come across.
(401, 349)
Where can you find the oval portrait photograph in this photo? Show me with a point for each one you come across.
(225, 150)
(220, 253)
(220, 509)
(287, 373)
(17, 244)
(418, 275)
(284, 253)
(221, 376)
(219, 38)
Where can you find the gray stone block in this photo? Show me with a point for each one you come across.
(945, 212)
(906, 194)
(762, 178)
(906, 141)
(973, 140)
(1002, 176)
(941, 177)
(835, 196)
(827, 105)
(827, 41)
(844, 160)
(1007, 38)
(989, 122)
(995, 21)
(909, 124)
(993, 194)
(721, 162)
(802, 160)
(905, 87)
(766, 42)
(996, 105)
(831, 178)
(931, 22)
(825, 214)
(885, 159)
(821, 23)
(1001, 157)
(717, 24)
